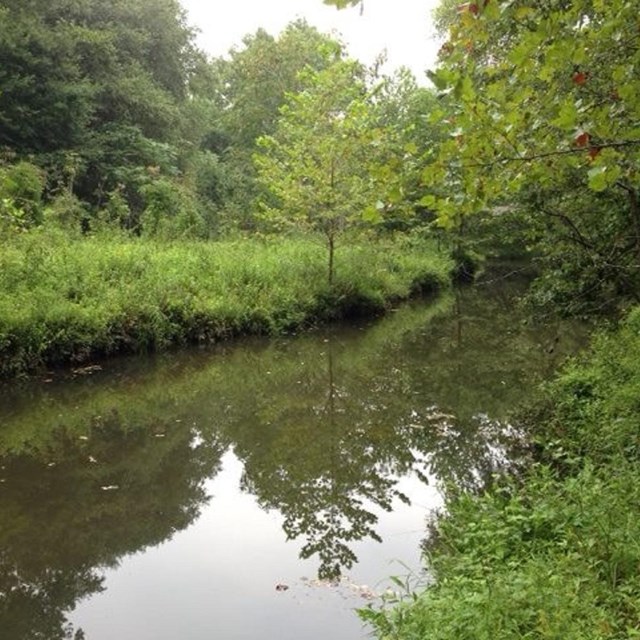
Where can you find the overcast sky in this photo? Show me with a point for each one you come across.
(402, 27)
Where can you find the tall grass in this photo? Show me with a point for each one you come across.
(67, 301)
(556, 554)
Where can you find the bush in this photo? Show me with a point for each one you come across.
(21, 187)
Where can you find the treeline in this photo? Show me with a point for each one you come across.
(110, 117)
(538, 116)
(124, 150)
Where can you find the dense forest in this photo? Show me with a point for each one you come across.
(151, 195)
(112, 117)
(113, 122)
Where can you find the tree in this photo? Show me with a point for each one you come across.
(248, 87)
(318, 162)
(542, 113)
(253, 80)
(93, 91)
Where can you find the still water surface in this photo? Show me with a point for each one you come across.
(262, 489)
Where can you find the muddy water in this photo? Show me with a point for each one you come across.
(262, 489)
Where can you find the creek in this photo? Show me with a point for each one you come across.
(262, 488)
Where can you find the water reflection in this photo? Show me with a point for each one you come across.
(325, 425)
(74, 508)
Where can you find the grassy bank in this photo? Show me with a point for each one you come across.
(67, 301)
(556, 554)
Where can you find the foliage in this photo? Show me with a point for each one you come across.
(341, 4)
(110, 99)
(252, 82)
(63, 301)
(21, 187)
(321, 163)
(248, 87)
(94, 91)
(540, 107)
(170, 211)
(66, 212)
(400, 110)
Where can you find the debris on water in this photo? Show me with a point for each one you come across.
(345, 586)
(92, 460)
(83, 437)
(282, 587)
(51, 464)
(159, 435)
(86, 371)
(110, 487)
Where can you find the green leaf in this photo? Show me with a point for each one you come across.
(598, 179)
(429, 201)
(371, 215)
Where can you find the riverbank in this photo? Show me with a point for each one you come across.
(555, 554)
(69, 301)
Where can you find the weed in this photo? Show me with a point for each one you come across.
(556, 554)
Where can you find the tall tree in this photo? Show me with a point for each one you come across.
(93, 90)
(248, 87)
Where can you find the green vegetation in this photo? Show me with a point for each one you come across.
(110, 114)
(318, 163)
(156, 427)
(554, 554)
(125, 152)
(150, 196)
(539, 114)
(541, 117)
(64, 301)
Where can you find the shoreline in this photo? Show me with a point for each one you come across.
(90, 299)
(552, 552)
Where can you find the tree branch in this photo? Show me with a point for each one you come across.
(550, 154)
(576, 235)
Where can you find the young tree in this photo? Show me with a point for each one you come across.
(249, 86)
(318, 162)
(541, 113)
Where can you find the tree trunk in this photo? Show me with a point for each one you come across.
(331, 243)
(634, 206)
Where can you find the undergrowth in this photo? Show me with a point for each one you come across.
(555, 554)
(64, 301)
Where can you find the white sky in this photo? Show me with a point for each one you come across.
(402, 27)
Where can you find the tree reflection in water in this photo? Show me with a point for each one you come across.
(325, 425)
(76, 508)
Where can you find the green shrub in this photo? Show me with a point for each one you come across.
(21, 187)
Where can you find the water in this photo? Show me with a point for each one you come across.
(261, 489)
